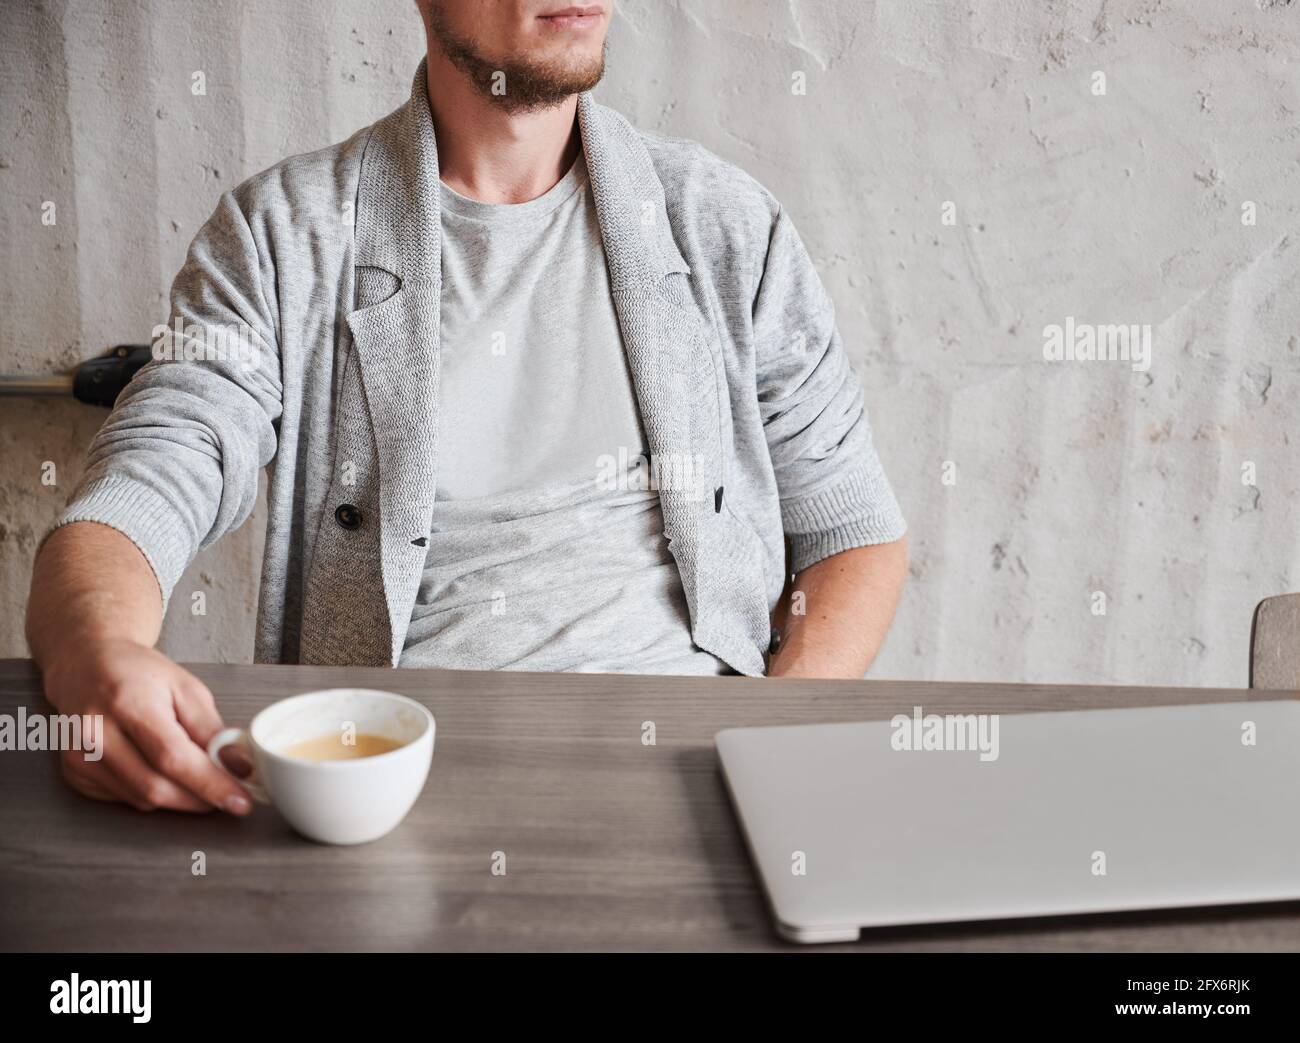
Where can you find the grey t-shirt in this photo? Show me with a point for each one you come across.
(547, 550)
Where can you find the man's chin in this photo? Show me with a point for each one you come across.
(534, 85)
(540, 78)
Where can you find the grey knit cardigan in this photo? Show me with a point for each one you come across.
(304, 339)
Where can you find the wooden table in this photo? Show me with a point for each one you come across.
(609, 843)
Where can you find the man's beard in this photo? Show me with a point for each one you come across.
(526, 85)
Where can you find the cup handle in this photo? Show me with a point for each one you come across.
(237, 737)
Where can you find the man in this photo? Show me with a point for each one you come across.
(535, 391)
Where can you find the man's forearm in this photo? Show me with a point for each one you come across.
(839, 612)
(90, 583)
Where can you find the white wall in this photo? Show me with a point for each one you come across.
(1122, 208)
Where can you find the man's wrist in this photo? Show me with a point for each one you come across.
(91, 619)
(798, 658)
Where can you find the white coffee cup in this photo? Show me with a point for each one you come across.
(336, 801)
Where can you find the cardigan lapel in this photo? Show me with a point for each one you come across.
(398, 229)
(662, 339)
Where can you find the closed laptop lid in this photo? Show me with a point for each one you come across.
(927, 818)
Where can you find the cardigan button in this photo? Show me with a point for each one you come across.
(774, 643)
(348, 516)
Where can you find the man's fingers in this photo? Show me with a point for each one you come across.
(197, 710)
(143, 787)
(175, 755)
(90, 780)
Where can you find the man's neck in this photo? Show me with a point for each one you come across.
(490, 154)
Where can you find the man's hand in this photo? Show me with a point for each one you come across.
(92, 620)
(157, 718)
(157, 721)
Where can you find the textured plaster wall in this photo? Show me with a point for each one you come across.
(1063, 479)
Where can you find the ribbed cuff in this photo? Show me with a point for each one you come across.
(860, 511)
(143, 517)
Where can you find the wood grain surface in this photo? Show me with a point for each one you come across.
(609, 844)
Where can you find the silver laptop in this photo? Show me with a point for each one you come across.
(927, 818)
